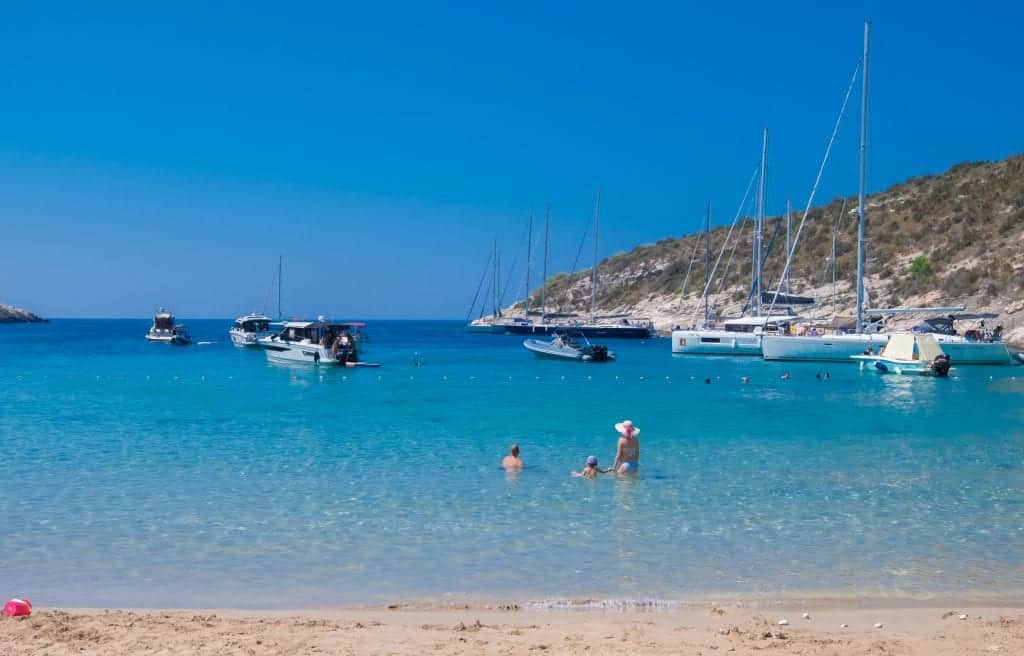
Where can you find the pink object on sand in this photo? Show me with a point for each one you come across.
(18, 607)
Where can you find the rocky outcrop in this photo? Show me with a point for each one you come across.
(11, 314)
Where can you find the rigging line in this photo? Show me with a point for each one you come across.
(817, 181)
(728, 263)
(739, 211)
(479, 286)
(579, 251)
(693, 255)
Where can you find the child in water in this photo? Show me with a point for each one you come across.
(591, 470)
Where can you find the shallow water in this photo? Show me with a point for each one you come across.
(138, 474)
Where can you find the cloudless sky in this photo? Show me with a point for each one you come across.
(167, 154)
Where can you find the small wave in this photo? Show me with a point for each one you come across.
(204, 343)
(606, 604)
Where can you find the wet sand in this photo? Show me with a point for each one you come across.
(510, 629)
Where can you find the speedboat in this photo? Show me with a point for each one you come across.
(740, 336)
(317, 342)
(566, 348)
(908, 353)
(249, 329)
(166, 331)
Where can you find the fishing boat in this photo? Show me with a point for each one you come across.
(909, 354)
(166, 331)
(249, 329)
(319, 342)
(567, 348)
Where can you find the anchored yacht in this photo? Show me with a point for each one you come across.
(248, 330)
(166, 331)
(317, 342)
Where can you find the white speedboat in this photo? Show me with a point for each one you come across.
(568, 349)
(166, 331)
(314, 342)
(735, 337)
(907, 353)
(249, 329)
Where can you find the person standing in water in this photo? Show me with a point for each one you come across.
(627, 455)
(511, 462)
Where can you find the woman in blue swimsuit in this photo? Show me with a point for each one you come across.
(627, 455)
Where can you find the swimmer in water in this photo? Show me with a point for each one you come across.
(511, 462)
(627, 454)
(591, 470)
(746, 379)
(785, 376)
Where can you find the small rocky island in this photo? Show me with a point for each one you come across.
(11, 314)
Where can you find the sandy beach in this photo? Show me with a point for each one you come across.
(510, 629)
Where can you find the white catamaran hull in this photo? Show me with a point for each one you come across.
(715, 342)
(831, 348)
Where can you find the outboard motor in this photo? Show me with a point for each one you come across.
(598, 353)
(941, 365)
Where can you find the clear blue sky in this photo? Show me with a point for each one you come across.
(166, 154)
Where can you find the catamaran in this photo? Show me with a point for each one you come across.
(166, 331)
(743, 335)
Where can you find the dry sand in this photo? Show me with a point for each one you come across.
(725, 629)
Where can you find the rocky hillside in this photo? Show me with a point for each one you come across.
(956, 238)
(11, 314)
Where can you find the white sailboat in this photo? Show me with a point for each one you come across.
(837, 346)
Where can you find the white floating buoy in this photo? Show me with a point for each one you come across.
(963, 617)
(807, 616)
(844, 626)
(783, 622)
(878, 625)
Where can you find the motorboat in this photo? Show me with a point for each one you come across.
(565, 347)
(166, 331)
(247, 330)
(741, 336)
(1020, 357)
(910, 354)
(319, 342)
(977, 345)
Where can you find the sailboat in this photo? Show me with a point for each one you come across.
(838, 346)
(742, 335)
(622, 327)
(250, 328)
(491, 323)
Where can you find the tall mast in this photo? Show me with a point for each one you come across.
(707, 258)
(861, 217)
(835, 232)
(789, 225)
(279, 259)
(529, 249)
(495, 285)
(544, 279)
(759, 226)
(593, 272)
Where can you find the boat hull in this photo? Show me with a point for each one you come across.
(831, 348)
(176, 340)
(584, 354)
(310, 354)
(246, 340)
(962, 351)
(715, 342)
(588, 331)
(487, 328)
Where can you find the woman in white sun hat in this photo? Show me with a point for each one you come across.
(627, 455)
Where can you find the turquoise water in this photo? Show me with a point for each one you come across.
(138, 474)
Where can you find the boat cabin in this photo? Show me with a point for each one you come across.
(252, 324)
(318, 332)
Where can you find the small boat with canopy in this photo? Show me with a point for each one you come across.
(909, 353)
(248, 330)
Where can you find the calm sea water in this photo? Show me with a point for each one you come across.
(138, 474)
